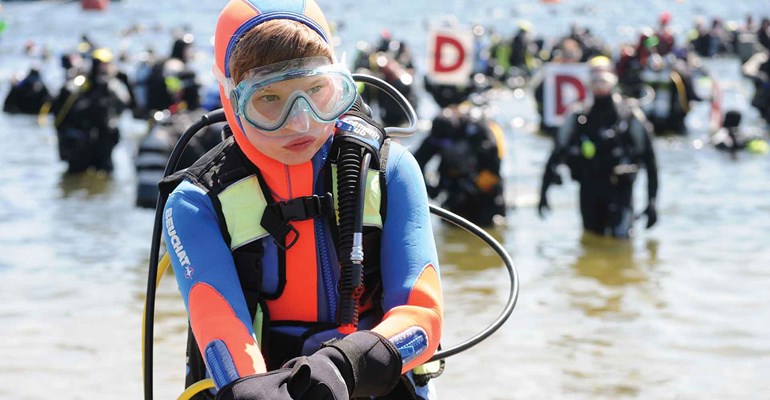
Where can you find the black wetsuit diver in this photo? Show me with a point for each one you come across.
(28, 95)
(470, 161)
(604, 146)
(86, 113)
(165, 83)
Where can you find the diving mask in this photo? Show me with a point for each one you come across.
(269, 96)
(603, 81)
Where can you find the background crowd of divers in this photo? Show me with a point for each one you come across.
(466, 144)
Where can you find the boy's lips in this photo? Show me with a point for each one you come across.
(299, 144)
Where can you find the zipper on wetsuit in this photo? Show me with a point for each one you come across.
(215, 367)
(328, 279)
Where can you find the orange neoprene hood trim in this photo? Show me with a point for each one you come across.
(237, 18)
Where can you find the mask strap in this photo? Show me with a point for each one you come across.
(227, 83)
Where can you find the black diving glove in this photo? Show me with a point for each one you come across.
(652, 214)
(550, 177)
(543, 207)
(364, 363)
(272, 385)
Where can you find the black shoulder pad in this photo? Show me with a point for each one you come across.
(222, 164)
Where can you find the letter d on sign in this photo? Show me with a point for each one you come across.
(444, 53)
(563, 85)
(563, 97)
(450, 56)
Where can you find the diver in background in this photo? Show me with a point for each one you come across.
(159, 83)
(86, 112)
(470, 148)
(27, 95)
(604, 145)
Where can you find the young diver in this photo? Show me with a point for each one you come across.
(253, 233)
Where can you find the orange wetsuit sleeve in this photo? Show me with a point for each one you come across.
(412, 298)
(209, 284)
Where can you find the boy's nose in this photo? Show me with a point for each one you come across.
(299, 117)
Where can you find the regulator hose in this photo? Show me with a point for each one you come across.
(352, 170)
(513, 276)
(149, 306)
(357, 139)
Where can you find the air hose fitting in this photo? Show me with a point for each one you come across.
(357, 140)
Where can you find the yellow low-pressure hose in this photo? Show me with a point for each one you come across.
(162, 267)
(42, 115)
(497, 130)
(681, 91)
(65, 109)
(196, 387)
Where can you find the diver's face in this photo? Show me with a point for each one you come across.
(299, 138)
(292, 147)
(602, 83)
(303, 108)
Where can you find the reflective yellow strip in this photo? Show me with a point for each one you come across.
(499, 134)
(243, 205)
(372, 199)
(427, 368)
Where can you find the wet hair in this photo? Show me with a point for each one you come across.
(275, 41)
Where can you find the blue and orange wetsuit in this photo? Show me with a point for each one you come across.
(297, 286)
(410, 304)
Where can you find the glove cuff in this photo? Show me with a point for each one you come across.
(254, 386)
(372, 364)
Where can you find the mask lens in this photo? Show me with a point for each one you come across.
(267, 99)
(603, 81)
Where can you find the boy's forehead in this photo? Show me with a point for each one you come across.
(291, 84)
(290, 68)
(281, 66)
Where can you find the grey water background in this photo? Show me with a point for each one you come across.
(677, 312)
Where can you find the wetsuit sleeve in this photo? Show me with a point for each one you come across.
(412, 299)
(440, 128)
(564, 136)
(210, 288)
(648, 155)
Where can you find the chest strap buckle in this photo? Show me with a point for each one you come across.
(277, 215)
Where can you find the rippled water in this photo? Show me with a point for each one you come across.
(679, 311)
